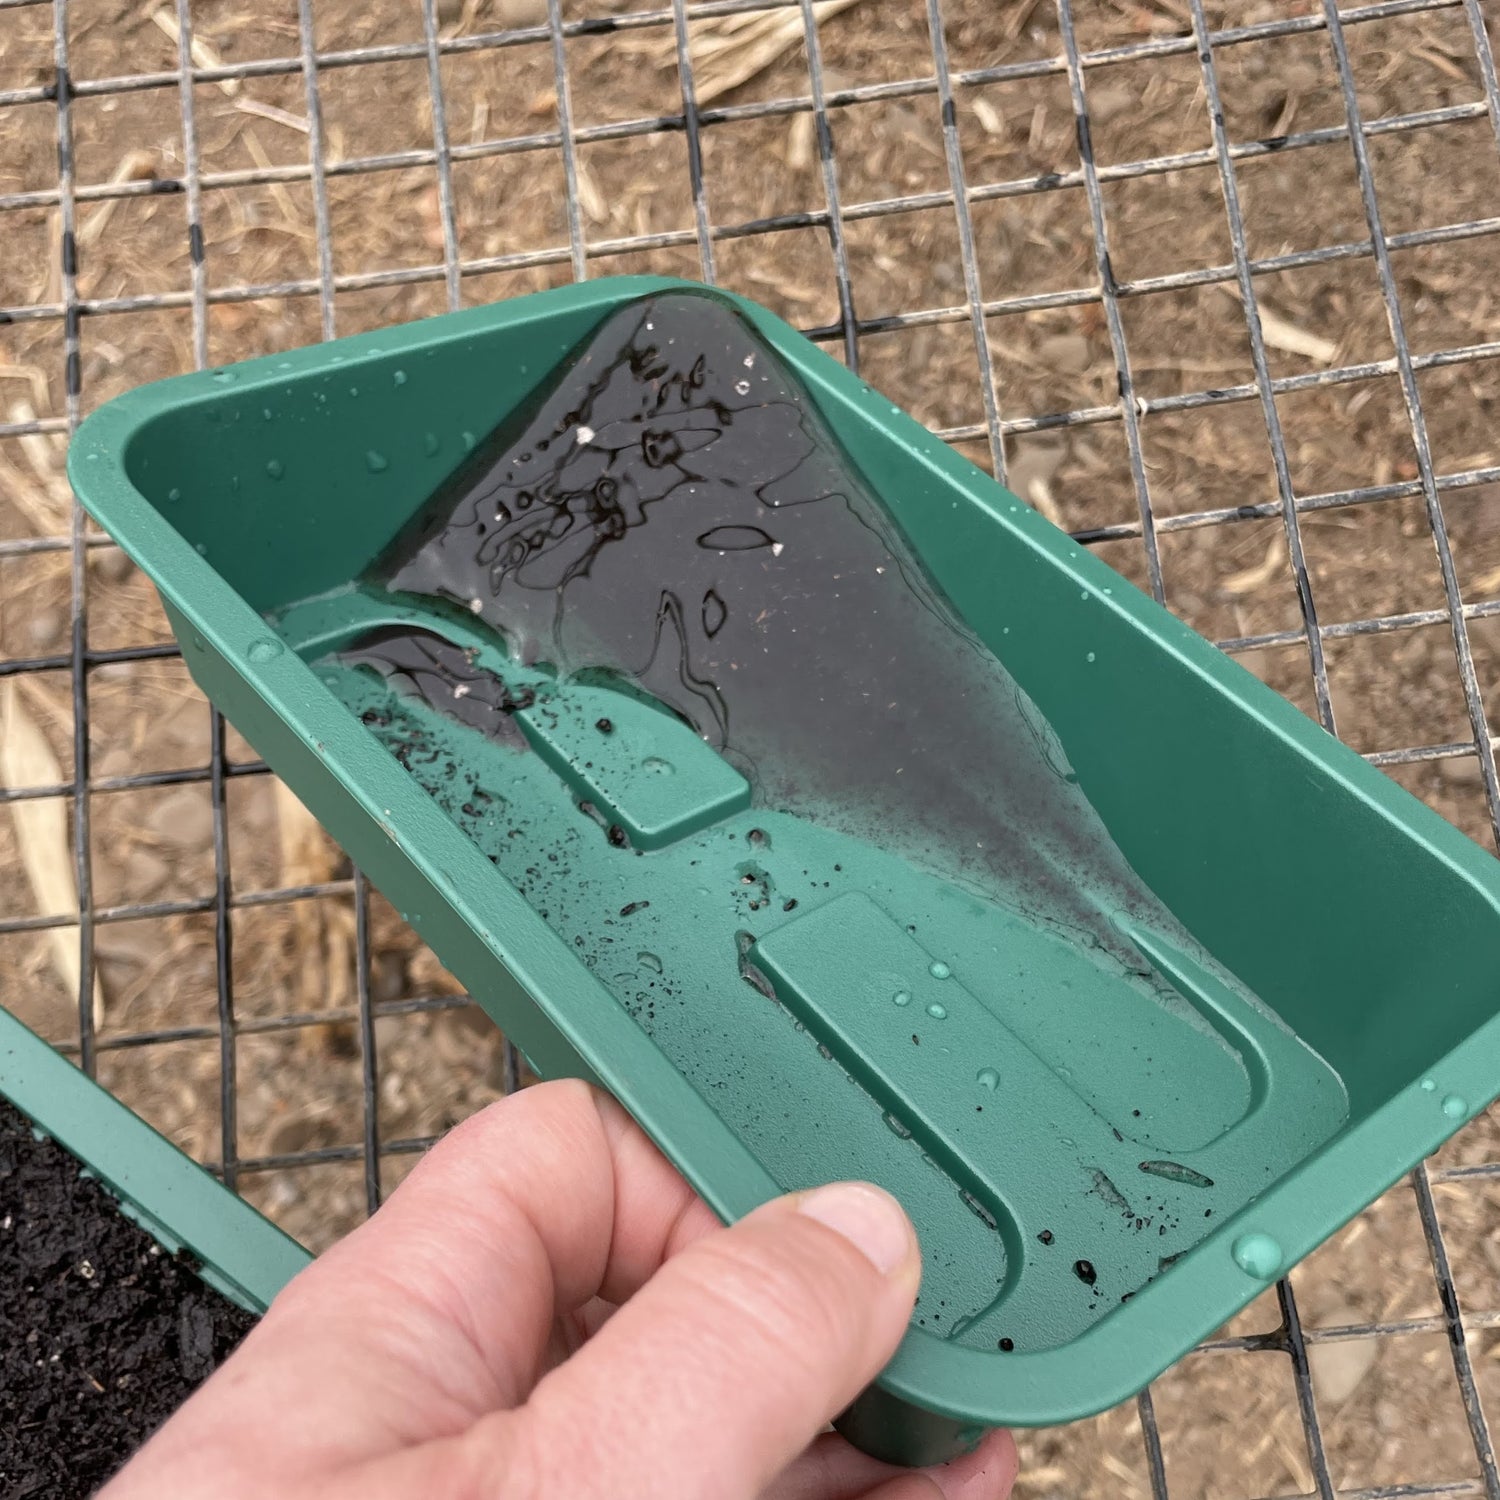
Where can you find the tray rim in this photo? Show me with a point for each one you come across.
(1131, 1345)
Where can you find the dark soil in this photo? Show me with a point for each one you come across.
(102, 1333)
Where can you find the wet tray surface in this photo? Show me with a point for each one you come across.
(741, 747)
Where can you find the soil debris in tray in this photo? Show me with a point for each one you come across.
(102, 1333)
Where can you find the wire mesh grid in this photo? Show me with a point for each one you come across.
(999, 407)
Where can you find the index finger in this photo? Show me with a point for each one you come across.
(440, 1307)
(520, 1214)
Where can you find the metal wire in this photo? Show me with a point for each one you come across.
(78, 579)
(1129, 409)
(953, 154)
(848, 321)
(1262, 364)
(1073, 66)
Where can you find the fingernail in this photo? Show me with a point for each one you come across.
(871, 1220)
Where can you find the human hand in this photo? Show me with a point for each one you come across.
(544, 1309)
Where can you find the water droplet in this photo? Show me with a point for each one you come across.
(268, 648)
(354, 390)
(275, 468)
(937, 1012)
(1089, 657)
(376, 463)
(201, 548)
(657, 766)
(938, 969)
(1085, 596)
(225, 377)
(649, 961)
(1257, 1255)
(987, 1078)
(1429, 1085)
(902, 997)
(1455, 1106)
(897, 1127)
(429, 443)
(174, 495)
(267, 415)
(969, 1438)
(468, 438)
(398, 377)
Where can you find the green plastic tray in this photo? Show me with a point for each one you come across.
(1099, 1180)
(181, 1206)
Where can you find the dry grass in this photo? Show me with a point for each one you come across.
(1230, 1423)
(41, 828)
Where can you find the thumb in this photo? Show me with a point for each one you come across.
(728, 1362)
